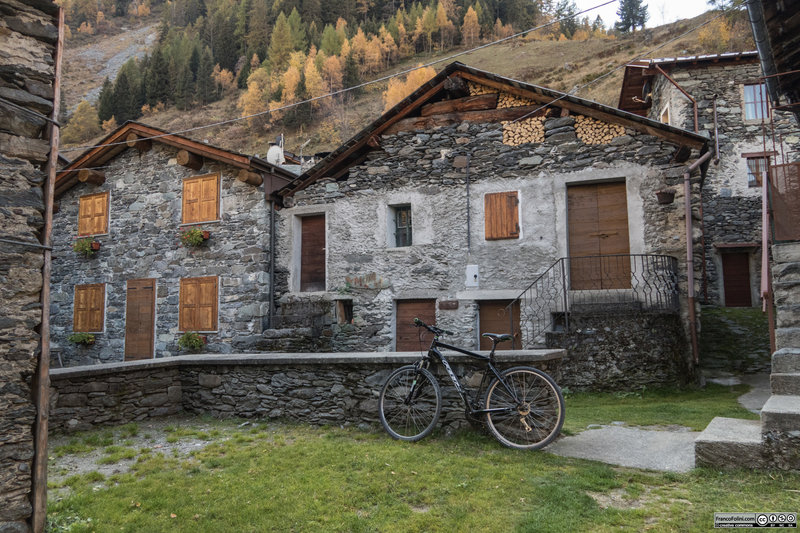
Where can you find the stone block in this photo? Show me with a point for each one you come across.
(154, 400)
(209, 381)
(786, 360)
(730, 443)
(72, 400)
(174, 394)
(786, 253)
(781, 413)
(787, 338)
(785, 383)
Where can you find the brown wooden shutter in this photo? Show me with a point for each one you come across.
(502, 215)
(89, 307)
(93, 214)
(198, 304)
(201, 199)
(139, 319)
(312, 254)
(407, 335)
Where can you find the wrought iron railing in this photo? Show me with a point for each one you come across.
(599, 284)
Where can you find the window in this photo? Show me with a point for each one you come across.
(201, 199)
(344, 311)
(402, 225)
(502, 215)
(665, 115)
(198, 304)
(312, 253)
(756, 166)
(756, 104)
(89, 308)
(93, 214)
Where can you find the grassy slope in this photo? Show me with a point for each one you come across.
(557, 65)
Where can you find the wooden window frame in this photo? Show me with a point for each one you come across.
(85, 199)
(666, 111)
(755, 175)
(183, 326)
(402, 236)
(761, 106)
(100, 324)
(218, 204)
(506, 228)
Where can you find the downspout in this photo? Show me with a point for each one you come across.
(687, 190)
(42, 379)
(761, 38)
(271, 204)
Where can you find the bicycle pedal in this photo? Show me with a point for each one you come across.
(528, 429)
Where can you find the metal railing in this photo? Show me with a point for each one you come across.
(604, 284)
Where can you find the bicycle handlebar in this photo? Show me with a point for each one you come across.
(433, 329)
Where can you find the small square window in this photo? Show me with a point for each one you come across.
(344, 311)
(665, 115)
(756, 167)
(756, 103)
(401, 220)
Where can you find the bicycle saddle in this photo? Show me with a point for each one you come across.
(497, 337)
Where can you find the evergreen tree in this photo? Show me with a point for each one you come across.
(567, 9)
(598, 24)
(351, 76)
(241, 81)
(105, 103)
(258, 31)
(194, 61)
(204, 87)
(157, 79)
(331, 41)
(298, 31)
(312, 12)
(280, 45)
(183, 88)
(125, 99)
(631, 14)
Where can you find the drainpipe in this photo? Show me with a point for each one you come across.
(687, 189)
(42, 378)
(271, 204)
(687, 95)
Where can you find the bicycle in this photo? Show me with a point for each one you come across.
(522, 407)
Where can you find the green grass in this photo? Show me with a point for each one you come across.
(300, 478)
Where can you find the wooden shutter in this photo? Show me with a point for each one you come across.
(494, 318)
(201, 199)
(312, 254)
(139, 319)
(198, 304)
(502, 215)
(89, 307)
(93, 214)
(408, 335)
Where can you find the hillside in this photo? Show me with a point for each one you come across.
(561, 65)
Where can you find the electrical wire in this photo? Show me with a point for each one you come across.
(354, 87)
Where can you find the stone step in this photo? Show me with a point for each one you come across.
(781, 413)
(730, 443)
(785, 384)
(786, 361)
(787, 337)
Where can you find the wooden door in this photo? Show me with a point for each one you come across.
(494, 318)
(406, 334)
(140, 319)
(312, 254)
(597, 218)
(736, 279)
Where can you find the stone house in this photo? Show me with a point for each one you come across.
(135, 194)
(722, 93)
(486, 204)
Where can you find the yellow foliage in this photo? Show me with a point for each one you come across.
(224, 78)
(397, 90)
(142, 10)
(100, 18)
(332, 74)
(562, 37)
(256, 98)
(580, 35)
(86, 28)
(82, 126)
(715, 36)
(109, 125)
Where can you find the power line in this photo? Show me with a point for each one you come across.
(359, 86)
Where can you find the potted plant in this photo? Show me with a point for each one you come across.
(191, 341)
(87, 339)
(665, 196)
(193, 237)
(86, 246)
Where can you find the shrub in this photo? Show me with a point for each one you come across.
(191, 341)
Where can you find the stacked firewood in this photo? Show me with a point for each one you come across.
(592, 131)
(530, 130)
(476, 88)
(509, 100)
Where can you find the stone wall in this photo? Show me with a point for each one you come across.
(324, 389)
(28, 37)
(418, 169)
(142, 242)
(731, 209)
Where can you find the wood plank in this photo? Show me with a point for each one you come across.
(493, 318)
(407, 335)
(470, 103)
(312, 253)
(481, 117)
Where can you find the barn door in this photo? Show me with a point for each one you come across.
(312, 254)
(140, 319)
(494, 318)
(736, 279)
(597, 216)
(406, 334)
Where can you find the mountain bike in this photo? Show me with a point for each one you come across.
(522, 407)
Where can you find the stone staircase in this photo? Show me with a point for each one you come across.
(773, 441)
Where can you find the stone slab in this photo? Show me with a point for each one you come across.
(785, 384)
(786, 360)
(781, 413)
(786, 253)
(730, 443)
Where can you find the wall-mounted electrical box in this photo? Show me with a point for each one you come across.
(473, 278)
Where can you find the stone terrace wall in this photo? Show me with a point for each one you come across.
(316, 389)
(28, 37)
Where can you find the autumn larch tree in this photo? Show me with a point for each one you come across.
(280, 45)
(82, 126)
(471, 29)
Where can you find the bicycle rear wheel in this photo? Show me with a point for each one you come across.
(532, 420)
(410, 403)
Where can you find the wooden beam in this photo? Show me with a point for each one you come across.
(374, 142)
(190, 160)
(487, 116)
(456, 87)
(470, 103)
(134, 141)
(252, 178)
(95, 177)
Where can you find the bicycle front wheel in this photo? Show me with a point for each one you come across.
(527, 412)
(410, 403)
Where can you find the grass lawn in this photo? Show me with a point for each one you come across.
(283, 477)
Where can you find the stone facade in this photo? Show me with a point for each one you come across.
(143, 242)
(28, 38)
(731, 208)
(417, 169)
